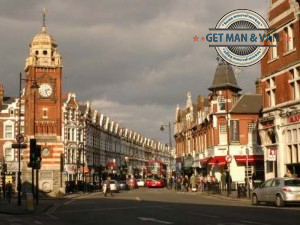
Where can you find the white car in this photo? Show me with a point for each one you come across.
(140, 183)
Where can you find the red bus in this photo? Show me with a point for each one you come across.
(156, 168)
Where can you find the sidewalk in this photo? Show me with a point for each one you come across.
(13, 208)
(232, 196)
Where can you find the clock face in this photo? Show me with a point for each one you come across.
(45, 151)
(45, 90)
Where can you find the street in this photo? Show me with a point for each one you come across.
(158, 206)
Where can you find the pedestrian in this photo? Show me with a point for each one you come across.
(228, 181)
(9, 191)
(106, 187)
(223, 181)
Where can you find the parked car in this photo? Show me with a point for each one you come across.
(278, 190)
(132, 183)
(114, 186)
(154, 183)
(123, 185)
(140, 182)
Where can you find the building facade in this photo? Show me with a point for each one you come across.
(280, 82)
(221, 128)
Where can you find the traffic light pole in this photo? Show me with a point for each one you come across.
(37, 187)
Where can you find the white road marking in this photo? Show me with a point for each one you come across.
(37, 222)
(205, 215)
(68, 202)
(138, 199)
(250, 222)
(154, 220)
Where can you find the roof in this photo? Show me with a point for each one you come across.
(7, 101)
(82, 109)
(224, 78)
(248, 104)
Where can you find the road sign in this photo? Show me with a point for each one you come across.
(272, 154)
(19, 146)
(20, 138)
(228, 158)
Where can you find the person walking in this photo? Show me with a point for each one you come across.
(223, 181)
(106, 187)
(9, 191)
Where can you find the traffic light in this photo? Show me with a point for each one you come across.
(35, 155)
(38, 158)
(32, 152)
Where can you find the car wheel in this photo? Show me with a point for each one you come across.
(279, 201)
(255, 200)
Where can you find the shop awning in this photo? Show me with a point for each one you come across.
(251, 158)
(217, 161)
(204, 161)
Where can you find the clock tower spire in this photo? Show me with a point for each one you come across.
(43, 107)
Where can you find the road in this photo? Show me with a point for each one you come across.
(158, 206)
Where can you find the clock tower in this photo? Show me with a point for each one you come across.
(43, 104)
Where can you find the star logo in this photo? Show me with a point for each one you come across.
(196, 38)
(203, 38)
(288, 38)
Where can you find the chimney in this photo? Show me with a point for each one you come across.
(1, 95)
(258, 86)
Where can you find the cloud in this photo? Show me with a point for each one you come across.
(134, 59)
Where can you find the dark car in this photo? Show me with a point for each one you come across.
(123, 185)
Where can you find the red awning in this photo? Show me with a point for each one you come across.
(217, 161)
(205, 160)
(251, 158)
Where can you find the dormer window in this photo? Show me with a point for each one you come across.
(44, 52)
(221, 103)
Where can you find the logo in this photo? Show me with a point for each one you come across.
(241, 37)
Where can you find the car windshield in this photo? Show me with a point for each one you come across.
(294, 183)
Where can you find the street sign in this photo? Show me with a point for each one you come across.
(20, 138)
(228, 158)
(272, 154)
(19, 146)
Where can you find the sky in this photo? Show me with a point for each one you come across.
(135, 60)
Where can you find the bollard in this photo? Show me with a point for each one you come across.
(29, 202)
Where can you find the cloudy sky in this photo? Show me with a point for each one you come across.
(135, 60)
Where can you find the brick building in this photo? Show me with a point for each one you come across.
(224, 123)
(280, 83)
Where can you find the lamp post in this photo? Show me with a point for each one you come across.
(170, 135)
(247, 175)
(170, 138)
(33, 86)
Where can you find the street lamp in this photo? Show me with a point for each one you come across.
(170, 135)
(33, 86)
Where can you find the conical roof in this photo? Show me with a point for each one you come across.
(224, 78)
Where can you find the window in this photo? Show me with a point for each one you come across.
(270, 91)
(270, 166)
(289, 37)
(294, 82)
(9, 154)
(223, 134)
(274, 49)
(45, 113)
(235, 130)
(221, 103)
(8, 132)
(252, 133)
